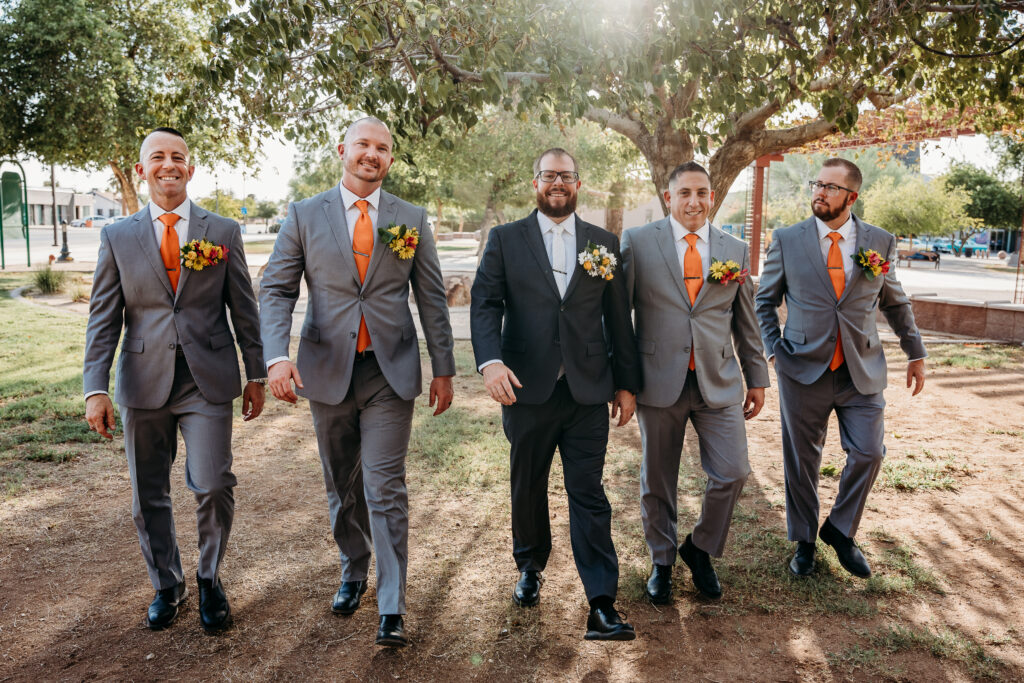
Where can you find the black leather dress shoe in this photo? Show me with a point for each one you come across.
(659, 586)
(527, 590)
(704, 576)
(847, 551)
(346, 600)
(391, 632)
(802, 563)
(214, 611)
(604, 623)
(164, 608)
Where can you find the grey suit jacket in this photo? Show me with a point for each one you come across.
(130, 287)
(719, 325)
(795, 271)
(315, 242)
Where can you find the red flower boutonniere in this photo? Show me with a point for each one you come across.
(400, 239)
(199, 254)
(871, 262)
(725, 272)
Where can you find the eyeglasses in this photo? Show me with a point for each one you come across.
(829, 189)
(568, 177)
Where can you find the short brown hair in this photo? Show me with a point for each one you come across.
(688, 167)
(853, 174)
(556, 151)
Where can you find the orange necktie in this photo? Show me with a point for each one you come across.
(170, 252)
(362, 247)
(838, 277)
(693, 276)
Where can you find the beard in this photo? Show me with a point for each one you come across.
(825, 213)
(545, 207)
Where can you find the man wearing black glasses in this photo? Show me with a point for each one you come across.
(553, 339)
(833, 272)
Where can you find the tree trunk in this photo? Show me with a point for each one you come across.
(129, 196)
(440, 214)
(613, 212)
(493, 215)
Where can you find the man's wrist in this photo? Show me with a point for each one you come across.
(96, 393)
(258, 380)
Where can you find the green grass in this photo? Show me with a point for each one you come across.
(459, 448)
(48, 281)
(975, 356)
(922, 473)
(266, 247)
(943, 643)
(41, 406)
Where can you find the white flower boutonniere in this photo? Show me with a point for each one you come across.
(597, 261)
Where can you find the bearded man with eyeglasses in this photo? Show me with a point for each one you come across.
(833, 274)
(553, 340)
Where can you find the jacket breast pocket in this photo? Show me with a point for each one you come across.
(132, 345)
(795, 336)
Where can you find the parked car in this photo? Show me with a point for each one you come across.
(943, 246)
(93, 222)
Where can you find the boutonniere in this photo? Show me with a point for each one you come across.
(400, 239)
(727, 271)
(597, 261)
(199, 254)
(871, 262)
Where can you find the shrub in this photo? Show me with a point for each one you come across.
(49, 281)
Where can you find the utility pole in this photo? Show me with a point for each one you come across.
(53, 195)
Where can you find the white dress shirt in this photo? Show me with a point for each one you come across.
(547, 233)
(703, 234)
(847, 245)
(181, 227)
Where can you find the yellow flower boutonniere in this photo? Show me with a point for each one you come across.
(400, 239)
(871, 262)
(199, 254)
(726, 272)
(597, 261)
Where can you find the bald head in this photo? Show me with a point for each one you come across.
(162, 135)
(366, 155)
(361, 126)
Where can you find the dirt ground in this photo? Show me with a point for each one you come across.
(73, 586)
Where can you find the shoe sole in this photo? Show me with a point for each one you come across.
(220, 628)
(525, 603)
(657, 601)
(615, 635)
(391, 642)
(798, 575)
(859, 575)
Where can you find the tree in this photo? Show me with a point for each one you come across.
(265, 209)
(83, 80)
(919, 207)
(732, 80)
(993, 202)
(223, 204)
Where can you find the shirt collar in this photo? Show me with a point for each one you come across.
(349, 198)
(679, 232)
(845, 230)
(182, 210)
(548, 225)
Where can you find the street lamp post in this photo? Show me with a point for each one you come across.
(65, 255)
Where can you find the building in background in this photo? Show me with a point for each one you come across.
(93, 203)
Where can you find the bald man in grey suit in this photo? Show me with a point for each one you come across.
(829, 357)
(360, 358)
(688, 351)
(178, 369)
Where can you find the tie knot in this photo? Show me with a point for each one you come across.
(363, 205)
(691, 239)
(169, 219)
(835, 236)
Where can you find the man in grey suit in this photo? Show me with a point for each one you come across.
(690, 328)
(178, 369)
(359, 352)
(829, 357)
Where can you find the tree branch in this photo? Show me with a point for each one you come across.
(773, 141)
(462, 75)
(622, 124)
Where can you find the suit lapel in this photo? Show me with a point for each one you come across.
(334, 212)
(197, 227)
(812, 248)
(582, 237)
(716, 249)
(863, 237)
(533, 239)
(142, 226)
(387, 212)
(667, 245)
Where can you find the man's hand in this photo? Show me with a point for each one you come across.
(915, 375)
(253, 397)
(753, 403)
(498, 380)
(441, 391)
(99, 413)
(623, 405)
(280, 376)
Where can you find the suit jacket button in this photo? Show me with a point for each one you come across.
(170, 346)
(561, 308)
(362, 298)
(177, 310)
(831, 339)
(352, 334)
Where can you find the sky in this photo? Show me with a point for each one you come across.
(268, 179)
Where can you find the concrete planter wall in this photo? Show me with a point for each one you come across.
(1002, 321)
